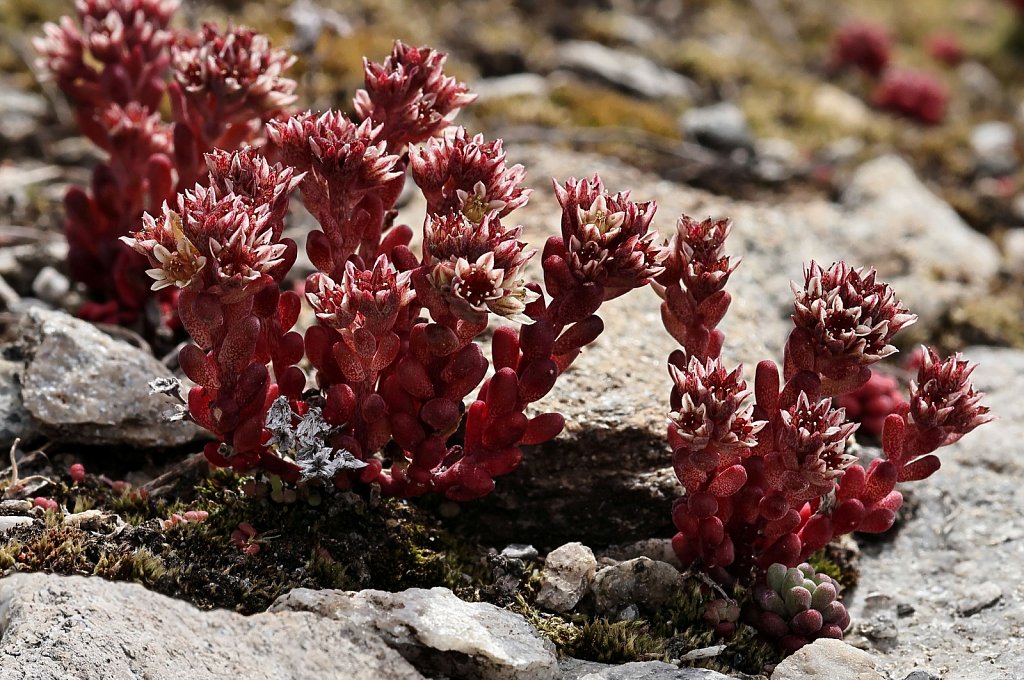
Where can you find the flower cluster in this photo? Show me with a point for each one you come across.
(917, 95)
(946, 49)
(873, 401)
(121, 66)
(862, 45)
(772, 482)
(395, 347)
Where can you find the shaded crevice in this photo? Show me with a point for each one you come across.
(600, 487)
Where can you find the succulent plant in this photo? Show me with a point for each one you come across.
(796, 606)
(722, 614)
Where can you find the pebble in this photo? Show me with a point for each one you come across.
(567, 575)
(640, 582)
(994, 145)
(624, 70)
(720, 126)
(981, 84)
(921, 675)
(776, 159)
(840, 108)
(21, 113)
(51, 286)
(515, 85)
(979, 597)
(827, 658)
(520, 551)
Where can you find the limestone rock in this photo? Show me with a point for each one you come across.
(21, 113)
(80, 385)
(437, 632)
(829, 658)
(568, 573)
(574, 669)
(8, 522)
(641, 581)
(719, 126)
(979, 597)
(994, 144)
(962, 535)
(918, 242)
(625, 70)
(15, 420)
(91, 629)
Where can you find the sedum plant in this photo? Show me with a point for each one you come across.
(395, 350)
(795, 606)
(123, 69)
(770, 483)
(390, 385)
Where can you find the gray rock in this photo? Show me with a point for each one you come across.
(575, 669)
(994, 144)
(926, 251)
(921, 675)
(1013, 250)
(963, 533)
(659, 549)
(91, 629)
(515, 85)
(877, 622)
(568, 572)
(80, 385)
(309, 19)
(8, 522)
(624, 70)
(776, 159)
(15, 506)
(981, 596)
(77, 152)
(981, 85)
(826, 658)
(17, 179)
(840, 108)
(437, 632)
(520, 551)
(21, 113)
(640, 581)
(19, 264)
(719, 126)
(15, 420)
(51, 286)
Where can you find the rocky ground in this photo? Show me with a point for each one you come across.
(721, 108)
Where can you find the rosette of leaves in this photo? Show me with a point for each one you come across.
(793, 607)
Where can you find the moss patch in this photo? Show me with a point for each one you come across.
(346, 542)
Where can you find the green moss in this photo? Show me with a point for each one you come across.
(823, 565)
(593, 106)
(618, 642)
(347, 542)
(993, 319)
(667, 633)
